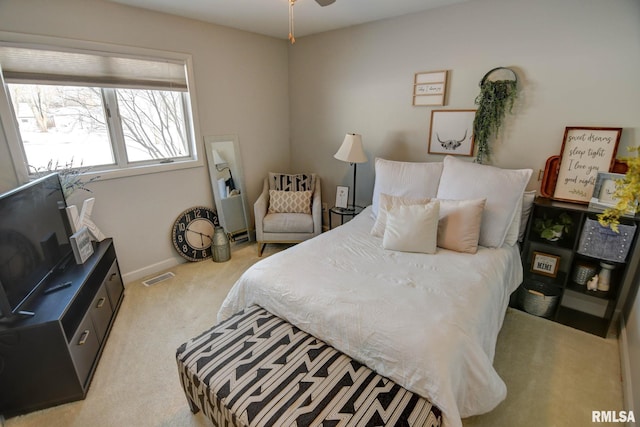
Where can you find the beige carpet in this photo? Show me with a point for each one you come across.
(555, 375)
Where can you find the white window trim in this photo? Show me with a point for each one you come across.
(11, 127)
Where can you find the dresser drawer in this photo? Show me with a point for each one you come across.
(84, 348)
(101, 312)
(113, 283)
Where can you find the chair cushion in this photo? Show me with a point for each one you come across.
(288, 182)
(287, 223)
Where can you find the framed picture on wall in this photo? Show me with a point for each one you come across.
(430, 88)
(451, 132)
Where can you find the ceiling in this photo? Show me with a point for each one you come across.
(270, 17)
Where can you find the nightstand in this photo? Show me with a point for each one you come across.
(559, 268)
(342, 212)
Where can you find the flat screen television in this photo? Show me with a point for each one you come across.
(34, 241)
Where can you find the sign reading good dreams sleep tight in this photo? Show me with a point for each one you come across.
(585, 151)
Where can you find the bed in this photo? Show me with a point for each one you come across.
(427, 321)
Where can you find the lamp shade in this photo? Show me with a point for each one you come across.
(351, 149)
(217, 158)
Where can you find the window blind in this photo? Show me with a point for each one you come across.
(90, 68)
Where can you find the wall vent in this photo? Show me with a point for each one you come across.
(158, 279)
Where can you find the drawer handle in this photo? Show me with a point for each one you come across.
(112, 276)
(100, 302)
(83, 338)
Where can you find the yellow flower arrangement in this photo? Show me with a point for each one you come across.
(627, 193)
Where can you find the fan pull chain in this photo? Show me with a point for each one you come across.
(292, 39)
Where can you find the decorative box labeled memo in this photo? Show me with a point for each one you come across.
(601, 242)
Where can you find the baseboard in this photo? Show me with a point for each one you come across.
(625, 370)
(149, 270)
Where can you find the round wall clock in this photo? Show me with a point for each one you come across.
(192, 233)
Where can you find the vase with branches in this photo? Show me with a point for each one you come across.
(71, 177)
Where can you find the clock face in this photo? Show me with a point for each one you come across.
(193, 232)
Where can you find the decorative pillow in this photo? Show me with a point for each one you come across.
(412, 180)
(412, 228)
(459, 226)
(296, 182)
(511, 237)
(289, 201)
(502, 188)
(527, 204)
(388, 202)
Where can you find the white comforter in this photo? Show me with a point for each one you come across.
(428, 322)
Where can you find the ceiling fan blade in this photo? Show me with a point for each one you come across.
(325, 2)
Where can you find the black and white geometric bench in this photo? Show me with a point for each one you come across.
(255, 369)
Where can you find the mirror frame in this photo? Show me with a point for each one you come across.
(235, 166)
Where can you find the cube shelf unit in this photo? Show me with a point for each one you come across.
(592, 311)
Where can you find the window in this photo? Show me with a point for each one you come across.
(62, 125)
(97, 110)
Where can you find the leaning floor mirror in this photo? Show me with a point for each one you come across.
(227, 182)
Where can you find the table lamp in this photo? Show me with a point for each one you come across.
(351, 151)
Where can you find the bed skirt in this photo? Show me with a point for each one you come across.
(256, 369)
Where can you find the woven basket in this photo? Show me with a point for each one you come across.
(601, 242)
(539, 299)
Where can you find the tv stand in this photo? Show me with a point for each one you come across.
(49, 358)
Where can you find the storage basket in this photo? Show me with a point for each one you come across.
(601, 242)
(539, 299)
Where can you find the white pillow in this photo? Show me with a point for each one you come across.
(503, 189)
(459, 226)
(388, 202)
(407, 179)
(514, 228)
(527, 204)
(412, 228)
(519, 224)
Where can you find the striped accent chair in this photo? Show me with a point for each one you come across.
(278, 226)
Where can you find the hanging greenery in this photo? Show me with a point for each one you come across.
(495, 99)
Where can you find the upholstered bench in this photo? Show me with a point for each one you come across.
(256, 369)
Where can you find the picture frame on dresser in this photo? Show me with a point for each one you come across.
(81, 245)
(342, 197)
(585, 152)
(604, 192)
(545, 264)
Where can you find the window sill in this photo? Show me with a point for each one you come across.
(106, 174)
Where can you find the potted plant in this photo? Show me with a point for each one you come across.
(552, 229)
(495, 99)
(627, 194)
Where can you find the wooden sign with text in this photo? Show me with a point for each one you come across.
(585, 152)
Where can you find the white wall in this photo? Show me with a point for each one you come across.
(241, 82)
(577, 62)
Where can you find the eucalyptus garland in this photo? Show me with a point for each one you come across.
(494, 100)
